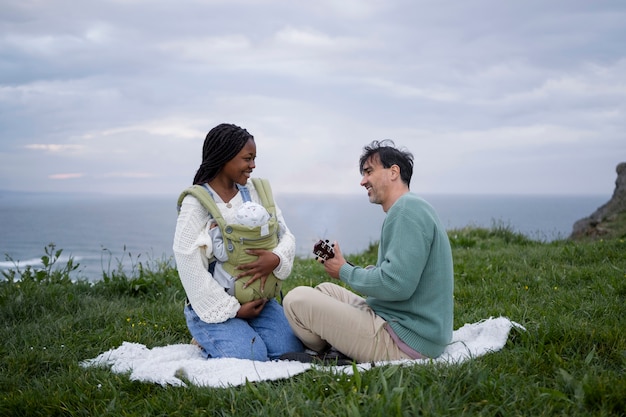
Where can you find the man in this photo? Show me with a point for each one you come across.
(407, 311)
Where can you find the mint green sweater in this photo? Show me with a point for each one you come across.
(413, 283)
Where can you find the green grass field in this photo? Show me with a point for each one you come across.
(571, 361)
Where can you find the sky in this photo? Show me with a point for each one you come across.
(490, 96)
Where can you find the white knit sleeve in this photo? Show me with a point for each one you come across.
(286, 248)
(207, 297)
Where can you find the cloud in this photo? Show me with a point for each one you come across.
(67, 176)
(213, 49)
(174, 127)
(53, 147)
(124, 91)
(314, 40)
(135, 175)
(409, 91)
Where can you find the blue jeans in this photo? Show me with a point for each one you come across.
(262, 338)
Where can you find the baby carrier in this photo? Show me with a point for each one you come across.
(238, 238)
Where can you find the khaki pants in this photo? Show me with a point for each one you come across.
(331, 315)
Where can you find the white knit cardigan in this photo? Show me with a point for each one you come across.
(208, 299)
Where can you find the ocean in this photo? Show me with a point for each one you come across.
(102, 233)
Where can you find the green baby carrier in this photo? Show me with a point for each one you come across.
(238, 238)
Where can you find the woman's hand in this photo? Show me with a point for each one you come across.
(265, 263)
(251, 309)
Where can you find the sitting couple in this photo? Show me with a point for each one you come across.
(233, 249)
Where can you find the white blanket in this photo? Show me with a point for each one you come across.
(174, 364)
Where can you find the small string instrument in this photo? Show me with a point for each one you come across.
(323, 250)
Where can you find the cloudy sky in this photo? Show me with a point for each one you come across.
(491, 96)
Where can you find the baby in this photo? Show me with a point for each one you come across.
(257, 220)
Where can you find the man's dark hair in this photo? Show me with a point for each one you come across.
(389, 155)
(222, 144)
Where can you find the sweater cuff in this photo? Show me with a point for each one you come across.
(345, 271)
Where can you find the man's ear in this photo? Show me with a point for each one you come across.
(395, 171)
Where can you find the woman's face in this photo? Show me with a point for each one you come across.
(240, 167)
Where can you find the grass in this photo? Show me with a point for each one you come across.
(571, 361)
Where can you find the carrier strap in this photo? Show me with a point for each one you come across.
(203, 194)
(264, 190)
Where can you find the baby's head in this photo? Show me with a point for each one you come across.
(252, 214)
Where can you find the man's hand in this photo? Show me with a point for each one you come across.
(251, 309)
(332, 265)
(265, 263)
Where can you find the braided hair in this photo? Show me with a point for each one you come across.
(222, 144)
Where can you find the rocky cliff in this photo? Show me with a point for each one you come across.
(602, 221)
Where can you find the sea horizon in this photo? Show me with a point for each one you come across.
(100, 231)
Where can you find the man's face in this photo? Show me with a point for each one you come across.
(375, 180)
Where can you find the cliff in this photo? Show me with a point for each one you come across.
(609, 218)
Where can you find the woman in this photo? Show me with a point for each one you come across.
(222, 326)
